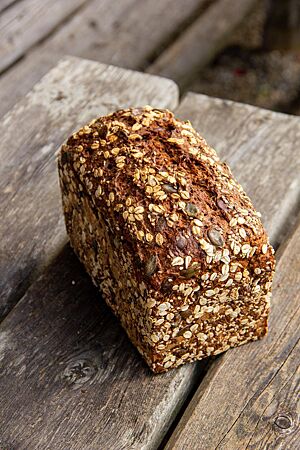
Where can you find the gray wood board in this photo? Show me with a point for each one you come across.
(4, 4)
(202, 41)
(29, 21)
(128, 34)
(74, 92)
(263, 150)
(250, 395)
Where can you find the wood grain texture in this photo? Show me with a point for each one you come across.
(4, 4)
(70, 379)
(250, 396)
(69, 96)
(262, 149)
(201, 42)
(28, 22)
(128, 35)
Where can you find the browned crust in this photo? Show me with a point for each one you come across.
(185, 230)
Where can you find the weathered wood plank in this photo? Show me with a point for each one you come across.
(250, 396)
(195, 48)
(6, 3)
(73, 93)
(127, 35)
(28, 22)
(261, 147)
(69, 377)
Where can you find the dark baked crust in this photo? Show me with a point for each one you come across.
(185, 261)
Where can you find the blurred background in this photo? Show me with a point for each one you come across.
(244, 50)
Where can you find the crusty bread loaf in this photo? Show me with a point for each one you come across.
(167, 234)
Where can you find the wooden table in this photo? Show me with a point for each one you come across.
(69, 377)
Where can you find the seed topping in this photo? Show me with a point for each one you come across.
(151, 265)
(169, 188)
(192, 210)
(215, 237)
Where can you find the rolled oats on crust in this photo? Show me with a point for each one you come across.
(167, 234)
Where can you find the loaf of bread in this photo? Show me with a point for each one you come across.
(167, 234)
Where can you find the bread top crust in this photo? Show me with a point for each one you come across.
(164, 193)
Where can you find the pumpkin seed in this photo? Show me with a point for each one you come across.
(166, 285)
(151, 265)
(190, 272)
(192, 210)
(181, 242)
(215, 237)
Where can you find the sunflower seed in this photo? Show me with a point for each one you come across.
(222, 205)
(169, 188)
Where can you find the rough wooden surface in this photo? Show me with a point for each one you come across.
(5, 4)
(70, 95)
(261, 147)
(250, 396)
(128, 35)
(70, 379)
(29, 21)
(195, 48)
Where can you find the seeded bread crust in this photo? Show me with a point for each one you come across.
(167, 234)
